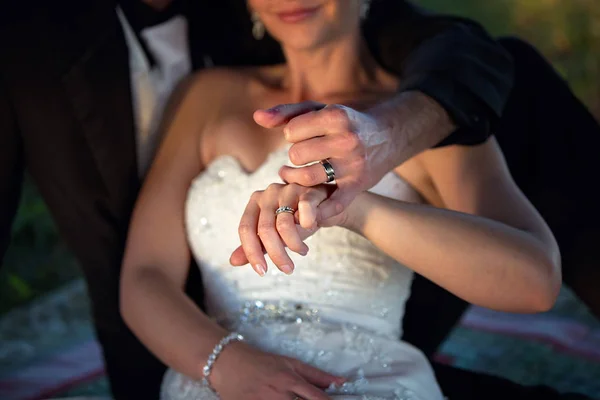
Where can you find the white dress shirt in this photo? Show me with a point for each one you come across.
(151, 86)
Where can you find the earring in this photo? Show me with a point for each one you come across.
(364, 8)
(258, 28)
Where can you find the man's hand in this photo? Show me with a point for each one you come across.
(357, 145)
(361, 146)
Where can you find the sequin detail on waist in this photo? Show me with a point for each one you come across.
(260, 312)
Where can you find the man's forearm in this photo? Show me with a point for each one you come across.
(414, 122)
(452, 60)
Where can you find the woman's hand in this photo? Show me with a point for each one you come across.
(261, 229)
(361, 146)
(243, 372)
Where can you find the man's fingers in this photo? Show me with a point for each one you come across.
(311, 175)
(283, 113)
(329, 120)
(331, 146)
(308, 205)
(336, 203)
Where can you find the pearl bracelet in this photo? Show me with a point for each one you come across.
(232, 337)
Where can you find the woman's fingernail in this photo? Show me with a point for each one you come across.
(260, 269)
(287, 269)
(272, 110)
(304, 252)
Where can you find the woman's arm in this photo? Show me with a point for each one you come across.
(157, 257)
(490, 246)
(508, 260)
(156, 262)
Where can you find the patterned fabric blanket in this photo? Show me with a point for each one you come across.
(48, 349)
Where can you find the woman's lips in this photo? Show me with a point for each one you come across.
(297, 15)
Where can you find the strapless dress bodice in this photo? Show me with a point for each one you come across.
(341, 310)
(342, 275)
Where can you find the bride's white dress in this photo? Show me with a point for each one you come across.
(341, 309)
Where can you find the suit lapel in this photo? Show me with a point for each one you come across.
(99, 89)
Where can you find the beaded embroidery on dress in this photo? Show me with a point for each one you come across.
(341, 309)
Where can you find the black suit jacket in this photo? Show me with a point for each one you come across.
(66, 117)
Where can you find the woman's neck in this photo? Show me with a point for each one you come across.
(340, 67)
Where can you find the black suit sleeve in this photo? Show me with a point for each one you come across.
(11, 168)
(453, 60)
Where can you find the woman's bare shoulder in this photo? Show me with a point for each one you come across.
(201, 99)
(220, 77)
(211, 94)
(212, 86)
(223, 101)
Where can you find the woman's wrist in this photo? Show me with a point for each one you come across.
(217, 362)
(356, 213)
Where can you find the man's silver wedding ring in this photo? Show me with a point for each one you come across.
(285, 209)
(329, 171)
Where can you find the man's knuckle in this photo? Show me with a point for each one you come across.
(349, 142)
(336, 115)
(310, 176)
